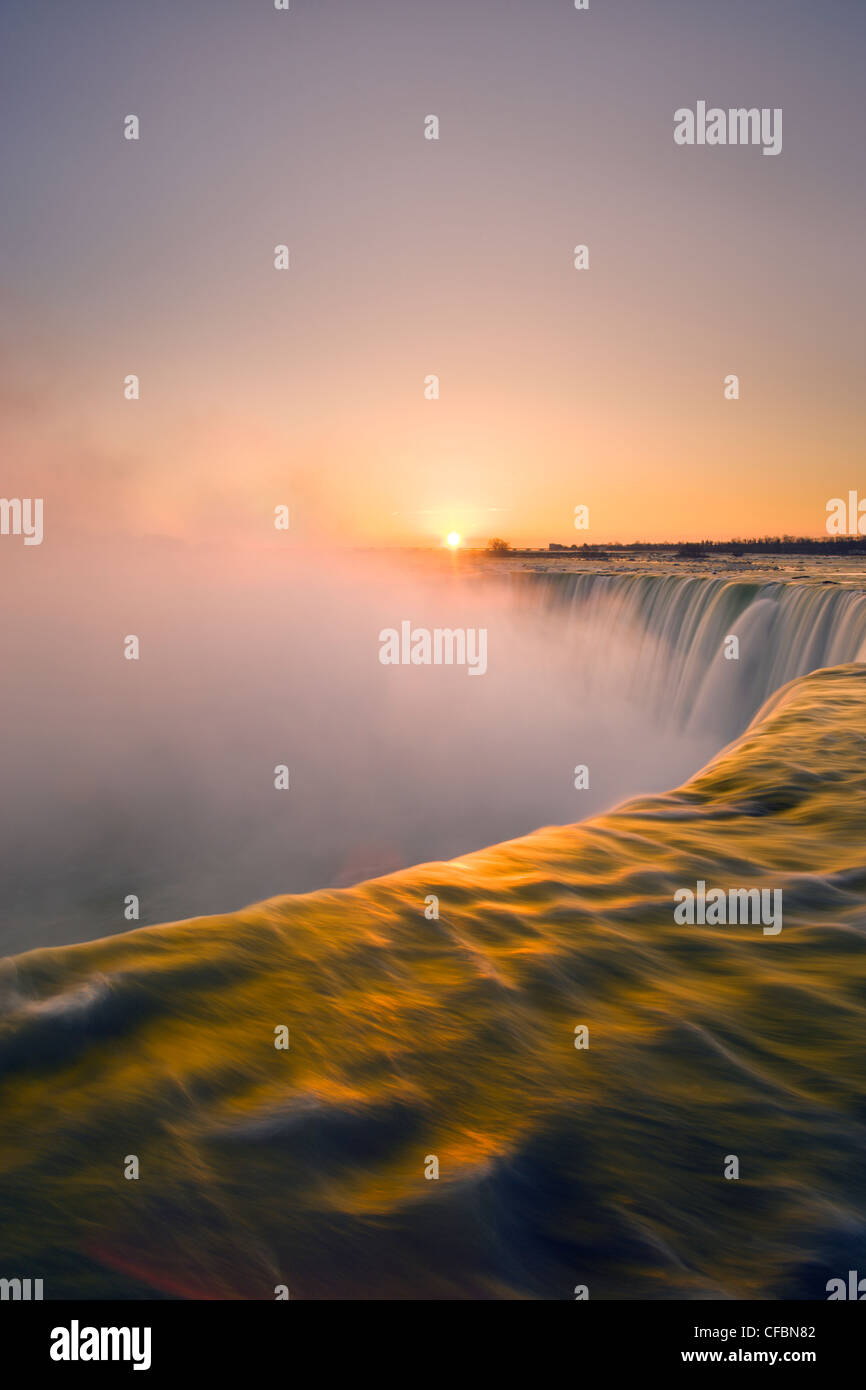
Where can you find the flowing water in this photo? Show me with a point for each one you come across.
(677, 626)
(415, 1038)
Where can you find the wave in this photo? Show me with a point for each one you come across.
(414, 1038)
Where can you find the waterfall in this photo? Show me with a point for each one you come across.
(674, 629)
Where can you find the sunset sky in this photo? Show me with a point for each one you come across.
(411, 257)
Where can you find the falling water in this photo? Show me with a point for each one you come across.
(677, 626)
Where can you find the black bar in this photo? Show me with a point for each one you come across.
(256, 1339)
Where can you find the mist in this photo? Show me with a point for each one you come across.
(155, 776)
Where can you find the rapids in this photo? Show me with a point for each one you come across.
(454, 1037)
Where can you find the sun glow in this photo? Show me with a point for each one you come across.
(453, 539)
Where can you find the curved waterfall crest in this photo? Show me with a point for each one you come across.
(674, 628)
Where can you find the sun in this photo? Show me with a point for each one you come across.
(453, 539)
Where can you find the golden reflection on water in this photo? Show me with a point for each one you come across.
(455, 1038)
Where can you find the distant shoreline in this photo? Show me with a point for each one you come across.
(854, 546)
(695, 550)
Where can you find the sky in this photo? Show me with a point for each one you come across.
(411, 257)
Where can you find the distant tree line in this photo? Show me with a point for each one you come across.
(765, 545)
